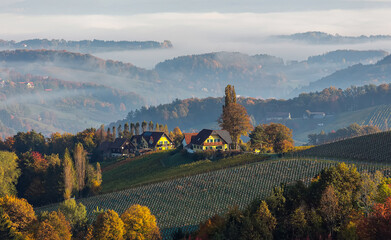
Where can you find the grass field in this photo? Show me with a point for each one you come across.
(163, 166)
(189, 200)
(379, 116)
(374, 147)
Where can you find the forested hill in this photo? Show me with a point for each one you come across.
(49, 105)
(84, 46)
(259, 75)
(196, 113)
(357, 75)
(326, 38)
(75, 61)
(204, 75)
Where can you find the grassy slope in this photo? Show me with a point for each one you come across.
(362, 117)
(189, 200)
(163, 166)
(375, 148)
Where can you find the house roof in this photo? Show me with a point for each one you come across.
(120, 142)
(189, 137)
(152, 137)
(200, 138)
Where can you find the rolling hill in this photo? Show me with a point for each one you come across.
(356, 75)
(84, 46)
(371, 148)
(185, 202)
(201, 75)
(259, 75)
(326, 38)
(363, 105)
(50, 105)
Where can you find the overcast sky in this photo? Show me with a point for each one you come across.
(126, 7)
(196, 26)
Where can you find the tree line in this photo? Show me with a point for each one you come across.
(190, 112)
(339, 203)
(19, 221)
(353, 130)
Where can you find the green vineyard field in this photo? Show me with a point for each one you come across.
(374, 147)
(380, 117)
(187, 201)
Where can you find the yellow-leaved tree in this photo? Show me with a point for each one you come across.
(53, 225)
(140, 224)
(107, 226)
(20, 213)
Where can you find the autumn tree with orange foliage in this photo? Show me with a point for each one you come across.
(21, 214)
(54, 226)
(107, 226)
(234, 118)
(273, 137)
(140, 224)
(377, 224)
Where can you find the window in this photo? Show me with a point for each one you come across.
(165, 142)
(219, 147)
(160, 148)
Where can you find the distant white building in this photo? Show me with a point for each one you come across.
(314, 115)
(270, 116)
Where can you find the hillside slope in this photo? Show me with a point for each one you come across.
(373, 148)
(188, 201)
(356, 75)
(259, 75)
(84, 46)
(343, 107)
(50, 105)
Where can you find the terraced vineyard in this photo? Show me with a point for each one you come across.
(375, 147)
(185, 202)
(380, 117)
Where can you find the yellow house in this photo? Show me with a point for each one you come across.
(154, 140)
(211, 140)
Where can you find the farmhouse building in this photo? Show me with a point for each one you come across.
(153, 140)
(314, 115)
(120, 147)
(211, 140)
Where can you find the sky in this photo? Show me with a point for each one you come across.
(196, 26)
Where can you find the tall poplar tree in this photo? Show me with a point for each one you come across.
(132, 129)
(126, 130)
(114, 133)
(234, 118)
(137, 128)
(150, 126)
(68, 175)
(79, 156)
(144, 125)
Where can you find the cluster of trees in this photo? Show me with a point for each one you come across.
(353, 130)
(136, 129)
(271, 138)
(47, 170)
(190, 112)
(340, 203)
(19, 221)
(44, 179)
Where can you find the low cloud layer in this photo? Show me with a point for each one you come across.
(204, 32)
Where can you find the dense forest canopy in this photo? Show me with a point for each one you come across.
(193, 112)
